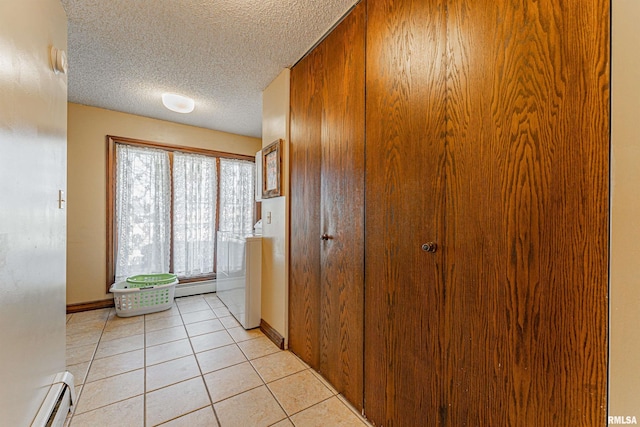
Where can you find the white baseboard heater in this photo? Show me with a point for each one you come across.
(58, 402)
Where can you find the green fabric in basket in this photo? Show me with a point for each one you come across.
(144, 280)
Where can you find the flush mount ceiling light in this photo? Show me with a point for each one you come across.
(178, 103)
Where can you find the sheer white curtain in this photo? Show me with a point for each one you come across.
(143, 205)
(237, 202)
(194, 214)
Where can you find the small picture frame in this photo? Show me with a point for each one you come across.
(272, 170)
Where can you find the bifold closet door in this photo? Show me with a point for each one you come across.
(327, 207)
(405, 161)
(526, 241)
(305, 163)
(342, 209)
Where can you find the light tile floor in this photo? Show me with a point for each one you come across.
(191, 366)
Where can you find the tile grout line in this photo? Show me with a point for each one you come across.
(349, 406)
(309, 407)
(206, 387)
(181, 415)
(95, 351)
(287, 417)
(201, 375)
(307, 368)
(93, 359)
(110, 404)
(331, 389)
(188, 379)
(248, 360)
(264, 383)
(112, 375)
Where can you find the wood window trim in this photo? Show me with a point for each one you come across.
(111, 191)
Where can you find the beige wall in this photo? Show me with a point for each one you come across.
(86, 191)
(624, 363)
(275, 241)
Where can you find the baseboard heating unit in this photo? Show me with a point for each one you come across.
(57, 403)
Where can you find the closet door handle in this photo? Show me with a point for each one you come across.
(325, 236)
(430, 247)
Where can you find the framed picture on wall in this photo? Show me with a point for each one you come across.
(271, 169)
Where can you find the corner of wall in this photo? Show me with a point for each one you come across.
(275, 240)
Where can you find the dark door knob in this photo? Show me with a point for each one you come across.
(325, 236)
(430, 247)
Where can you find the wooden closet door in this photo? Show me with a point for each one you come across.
(326, 307)
(405, 162)
(305, 164)
(526, 238)
(342, 208)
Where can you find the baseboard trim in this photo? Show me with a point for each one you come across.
(86, 306)
(272, 334)
(195, 288)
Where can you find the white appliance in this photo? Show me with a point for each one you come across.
(34, 388)
(238, 276)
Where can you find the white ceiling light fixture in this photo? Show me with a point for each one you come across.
(178, 103)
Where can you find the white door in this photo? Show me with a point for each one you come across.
(33, 150)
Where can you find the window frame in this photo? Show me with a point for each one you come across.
(111, 243)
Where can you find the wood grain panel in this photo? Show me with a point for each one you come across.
(404, 286)
(327, 196)
(305, 165)
(87, 306)
(527, 199)
(272, 334)
(342, 208)
(486, 132)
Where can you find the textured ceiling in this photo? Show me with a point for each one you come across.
(123, 54)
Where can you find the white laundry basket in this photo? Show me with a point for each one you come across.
(143, 294)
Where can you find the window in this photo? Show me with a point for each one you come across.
(143, 211)
(237, 180)
(195, 190)
(165, 204)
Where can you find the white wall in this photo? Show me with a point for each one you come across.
(33, 156)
